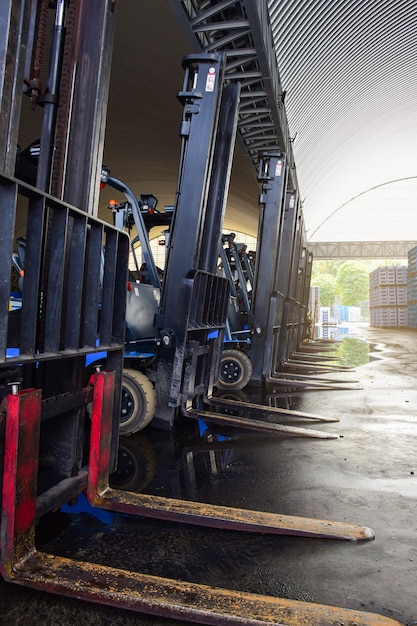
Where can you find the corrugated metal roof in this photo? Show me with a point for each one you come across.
(349, 69)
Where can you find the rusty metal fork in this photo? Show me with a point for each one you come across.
(22, 563)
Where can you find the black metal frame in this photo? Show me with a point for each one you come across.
(266, 300)
(72, 304)
(75, 269)
(279, 304)
(239, 306)
(194, 299)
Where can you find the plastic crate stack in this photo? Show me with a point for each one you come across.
(412, 288)
(388, 297)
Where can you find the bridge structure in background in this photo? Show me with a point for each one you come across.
(360, 249)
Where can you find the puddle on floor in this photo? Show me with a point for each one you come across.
(353, 352)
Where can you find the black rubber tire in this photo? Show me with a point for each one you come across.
(136, 464)
(232, 394)
(138, 402)
(235, 370)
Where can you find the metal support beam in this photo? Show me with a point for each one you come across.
(242, 29)
(89, 73)
(360, 249)
(14, 29)
(266, 301)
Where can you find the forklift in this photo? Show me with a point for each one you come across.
(268, 320)
(280, 345)
(143, 299)
(73, 305)
(235, 366)
(191, 314)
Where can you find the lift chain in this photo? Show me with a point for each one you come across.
(34, 83)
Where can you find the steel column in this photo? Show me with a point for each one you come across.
(273, 178)
(14, 28)
(194, 298)
(88, 72)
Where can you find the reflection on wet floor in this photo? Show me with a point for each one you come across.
(350, 351)
(197, 461)
(174, 465)
(200, 455)
(353, 352)
(345, 480)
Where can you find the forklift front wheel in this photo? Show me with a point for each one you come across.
(138, 402)
(235, 370)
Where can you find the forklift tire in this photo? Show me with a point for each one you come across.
(138, 402)
(232, 394)
(235, 370)
(136, 464)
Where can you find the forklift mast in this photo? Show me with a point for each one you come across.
(287, 261)
(305, 327)
(300, 309)
(239, 303)
(71, 281)
(266, 311)
(194, 298)
(239, 272)
(268, 308)
(294, 288)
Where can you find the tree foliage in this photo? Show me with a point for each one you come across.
(352, 283)
(325, 267)
(327, 285)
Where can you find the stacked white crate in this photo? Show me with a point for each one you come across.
(388, 296)
(412, 288)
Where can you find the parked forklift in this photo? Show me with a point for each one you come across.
(235, 366)
(175, 344)
(269, 325)
(61, 433)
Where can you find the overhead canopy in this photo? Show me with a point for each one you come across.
(348, 82)
(350, 73)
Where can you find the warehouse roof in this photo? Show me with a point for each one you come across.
(349, 69)
(348, 73)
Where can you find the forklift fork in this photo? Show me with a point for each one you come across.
(311, 382)
(22, 563)
(100, 494)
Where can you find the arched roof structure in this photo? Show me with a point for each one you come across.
(347, 86)
(350, 73)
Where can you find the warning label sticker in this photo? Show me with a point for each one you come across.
(278, 168)
(211, 79)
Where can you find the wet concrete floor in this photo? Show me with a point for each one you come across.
(367, 476)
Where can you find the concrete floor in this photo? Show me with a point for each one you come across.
(367, 476)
